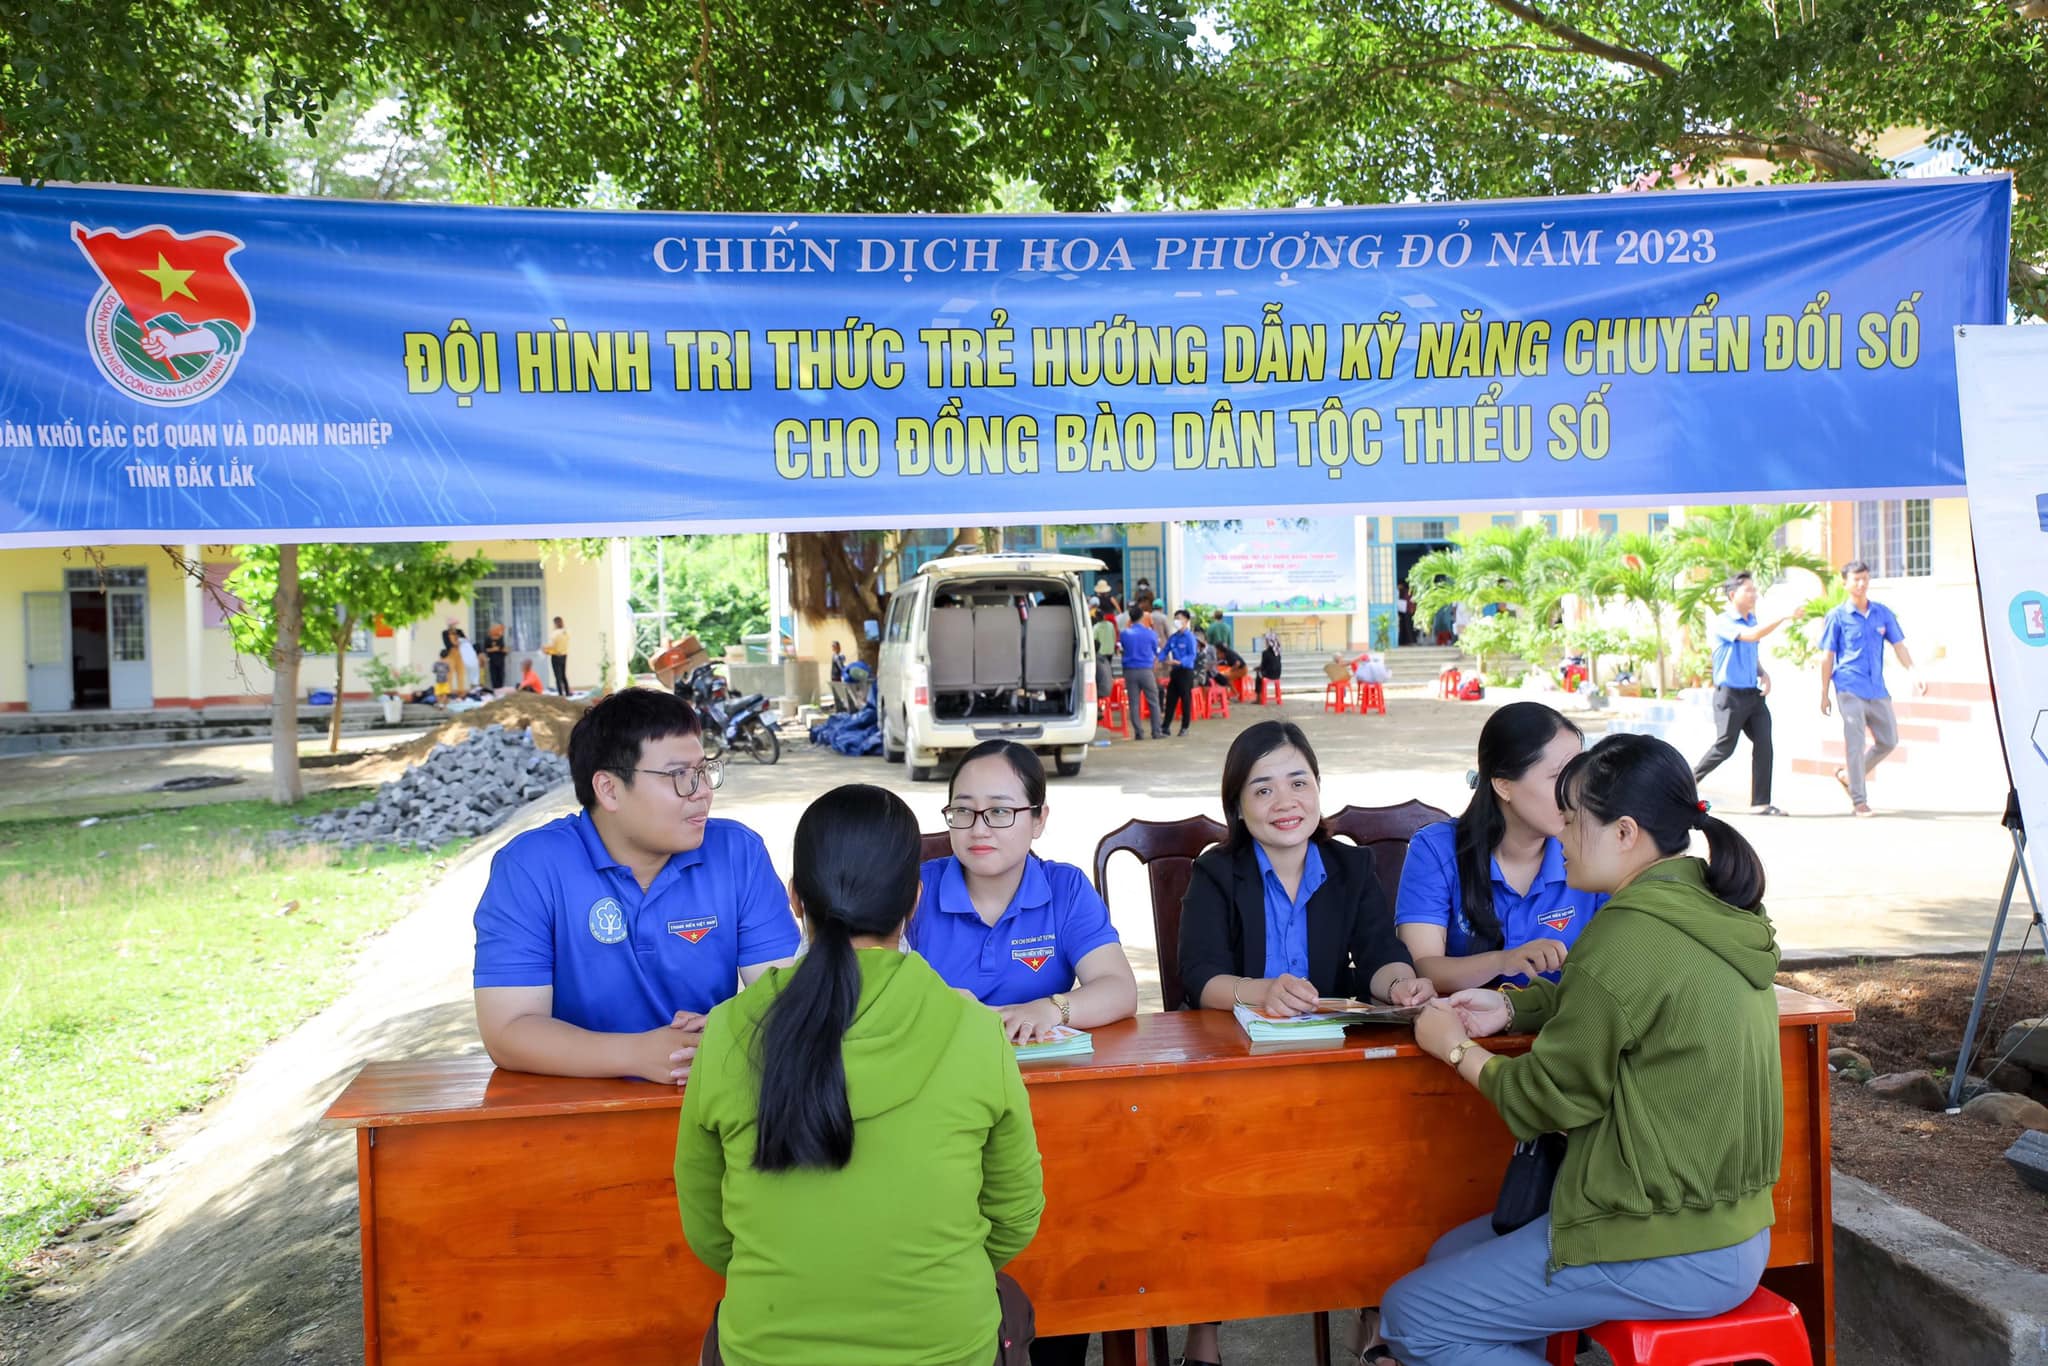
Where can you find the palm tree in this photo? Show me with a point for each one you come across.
(1649, 575)
(1743, 536)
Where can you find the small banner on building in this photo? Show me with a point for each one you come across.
(1275, 565)
(230, 367)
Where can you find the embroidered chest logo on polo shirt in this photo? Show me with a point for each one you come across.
(1558, 917)
(1033, 952)
(692, 931)
(607, 920)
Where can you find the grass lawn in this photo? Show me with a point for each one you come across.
(142, 960)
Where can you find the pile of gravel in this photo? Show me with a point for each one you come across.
(456, 791)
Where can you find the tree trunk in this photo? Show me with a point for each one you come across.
(348, 630)
(1657, 625)
(286, 785)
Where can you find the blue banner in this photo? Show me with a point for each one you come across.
(217, 367)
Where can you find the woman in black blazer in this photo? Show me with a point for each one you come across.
(1281, 872)
(1282, 913)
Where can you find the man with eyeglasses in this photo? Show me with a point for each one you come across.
(604, 937)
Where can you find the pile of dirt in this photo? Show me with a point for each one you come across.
(550, 719)
(1948, 1167)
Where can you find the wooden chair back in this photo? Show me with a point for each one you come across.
(935, 846)
(1168, 850)
(1384, 831)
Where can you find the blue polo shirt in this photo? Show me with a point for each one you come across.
(1858, 640)
(1052, 923)
(1180, 647)
(560, 911)
(1287, 917)
(1431, 894)
(1734, 660)
(1140, 645)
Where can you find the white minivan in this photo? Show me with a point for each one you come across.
(989, 647)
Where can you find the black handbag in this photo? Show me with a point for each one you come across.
(1525, 1190)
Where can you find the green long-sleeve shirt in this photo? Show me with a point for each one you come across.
(890, 1260)
(1657, 1053)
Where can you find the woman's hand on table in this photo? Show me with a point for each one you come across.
(1438, 1030)
(1482, 1010)
(1533, 959)
(1287, 995)
(1029, 1021)
(1412, 991)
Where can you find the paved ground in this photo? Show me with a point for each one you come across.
(244, 1249)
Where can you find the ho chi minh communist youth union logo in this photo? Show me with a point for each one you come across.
(171, 318)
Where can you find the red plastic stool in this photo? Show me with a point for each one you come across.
(1276, 691)
(1198, 704)
(1109, 712)
(1242, 686)
(1372, 697)
(1762, 1328)
(1219, 700)
(1337, 695)
(1447, 683)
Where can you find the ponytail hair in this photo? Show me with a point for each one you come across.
(856, 873)
(1510, 743)
(1645, 779)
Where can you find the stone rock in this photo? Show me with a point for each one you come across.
(1942, 1059)
(2003, 1107)
(1840, 1057)
(1918, 1089)
(2010, 1076)
(2026, 1043)
(2029, 1158)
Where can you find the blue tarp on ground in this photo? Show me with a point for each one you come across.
(852, 733)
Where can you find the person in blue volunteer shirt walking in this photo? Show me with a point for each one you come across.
(603, 938)
(1180, 686)
(1141, 656)
(1027, 937)
(1483, 898)
(1740, 689)
(1852, 642)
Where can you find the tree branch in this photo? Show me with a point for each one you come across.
(1580, 41)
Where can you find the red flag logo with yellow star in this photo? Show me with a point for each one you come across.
(171, 321)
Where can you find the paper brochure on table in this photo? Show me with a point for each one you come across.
(1064, 1041)
(1325, 1023)
(1999, 373)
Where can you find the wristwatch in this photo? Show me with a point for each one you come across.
(1458, 1051)
(1066, 1005)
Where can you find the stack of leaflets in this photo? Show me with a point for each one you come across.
(1065, 1041)
(1324, 1024)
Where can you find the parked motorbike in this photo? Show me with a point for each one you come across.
(742, 725)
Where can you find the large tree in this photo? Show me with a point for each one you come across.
(772, 104)
(1338, 101)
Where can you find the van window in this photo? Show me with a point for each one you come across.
(899, 614)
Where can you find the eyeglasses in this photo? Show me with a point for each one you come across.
(711, 773)
(995, 818)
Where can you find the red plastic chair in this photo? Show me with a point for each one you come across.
(1198, 703)
(1447, 684)
(1763, 1328)
(1372, 697)
(1273, 683)
(1337, 695)
(1218, 700)
(1110, 712)
(1242, 686)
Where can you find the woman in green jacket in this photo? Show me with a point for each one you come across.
(1656, 1053)
(855, 1154)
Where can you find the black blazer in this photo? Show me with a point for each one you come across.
(1350, 925)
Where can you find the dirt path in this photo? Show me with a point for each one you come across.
(243, 1247)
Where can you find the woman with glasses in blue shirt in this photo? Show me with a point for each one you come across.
(1026, 937)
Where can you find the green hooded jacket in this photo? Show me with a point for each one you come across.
(890, 1260)
(1657, 1053)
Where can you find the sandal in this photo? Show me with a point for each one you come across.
(1376, 1353)
(1767, 810)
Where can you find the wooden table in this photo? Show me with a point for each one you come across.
(509, 1217)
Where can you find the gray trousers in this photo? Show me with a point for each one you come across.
(1144, 683)
(1486, 1301)
(1859, 713)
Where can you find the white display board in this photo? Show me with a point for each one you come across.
(2002, 382)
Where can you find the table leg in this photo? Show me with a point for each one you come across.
(1127, 1347)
